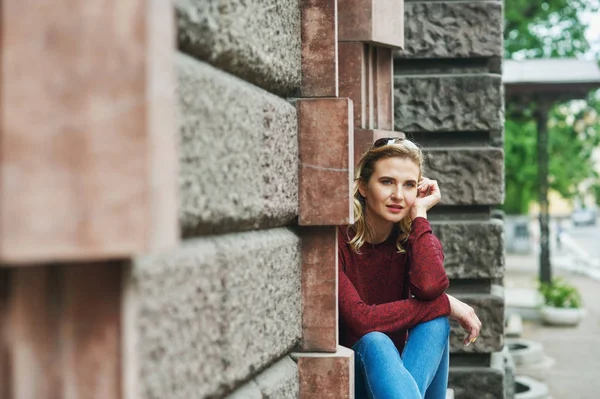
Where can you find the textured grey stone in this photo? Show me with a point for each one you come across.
(476, 382)
(238, 153)
(453, 30)
(257, 40)
(490, 310)
(472, 249)
(448, 103)
(468, 176)
(215, 310)
(280, 381)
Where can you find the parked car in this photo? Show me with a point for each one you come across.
(584, 216)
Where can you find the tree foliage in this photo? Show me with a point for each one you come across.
(546, 30)
(553, 28)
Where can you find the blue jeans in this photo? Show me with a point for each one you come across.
(421, 372)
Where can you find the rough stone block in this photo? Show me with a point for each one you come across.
(215, 310)
(379, 22)
(326, 152)
(319, 48)
(490, 310)
(363, 139)
(472, 249)
(87, 143)
(238, 155)
(478, 382)
(448, 103)
(453, 30)
(319, 289)
(278, 381)
(353, 79)
(326, 376)
(231, 35)
(467, 176)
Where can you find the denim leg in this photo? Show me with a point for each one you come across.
(379, 370)
(425, 356)
(439, 385)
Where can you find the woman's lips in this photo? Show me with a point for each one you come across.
(395, 208)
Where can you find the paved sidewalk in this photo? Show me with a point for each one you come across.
(573, 370)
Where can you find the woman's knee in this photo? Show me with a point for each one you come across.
(376, 339)
(439, 326)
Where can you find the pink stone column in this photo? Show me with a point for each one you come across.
(88, 179)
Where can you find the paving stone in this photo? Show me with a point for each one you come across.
(472, 249)
(238, 153)
(452, 29)
(215, 310)
(467, 176)
(257, 40)
(470, 102)
(477, 382)
(326, 375)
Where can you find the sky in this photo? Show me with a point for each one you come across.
(593, 32)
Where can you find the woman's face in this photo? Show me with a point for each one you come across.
(391, 191)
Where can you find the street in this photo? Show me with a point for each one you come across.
(587, 237)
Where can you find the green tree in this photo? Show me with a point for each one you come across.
(553, 28)
(549, 29)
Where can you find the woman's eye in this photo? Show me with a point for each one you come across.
(410, 185)
(386, 182)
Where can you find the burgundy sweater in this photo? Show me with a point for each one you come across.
(383, 290)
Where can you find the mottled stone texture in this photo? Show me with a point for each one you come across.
(448, 103)
(215, 310)
(87, 143)
(472, 249)
(326, 158)
(238, 153)
(326, 375)
(468, 176)
(319, 49)
(453, 30)
(490, 310)
(319, 289)
(379, 22)
(280, 381)
(476, 383)
(257, 40)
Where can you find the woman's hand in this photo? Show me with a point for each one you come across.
(466, 317)
(428, 194)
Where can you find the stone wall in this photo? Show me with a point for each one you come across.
(449, 98)
(219, 315)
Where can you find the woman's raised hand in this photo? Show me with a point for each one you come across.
(466, 317)
(428, 194)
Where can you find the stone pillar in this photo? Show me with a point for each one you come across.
(87, 181)
(347, 63)
(449, 98)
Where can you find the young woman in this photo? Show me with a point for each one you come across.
(392, 280)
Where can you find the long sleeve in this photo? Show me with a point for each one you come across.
(390, 317)
(427, 277)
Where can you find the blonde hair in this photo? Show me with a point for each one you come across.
(395, 148)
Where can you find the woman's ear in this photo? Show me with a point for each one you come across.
(362, 189)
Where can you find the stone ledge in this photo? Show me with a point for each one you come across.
(472, 249)
(477, 382)
(215, 310)
(278, 381)
(453, 30)
(467, 176)
(435, 103)
(231, 35)
(238, 153)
